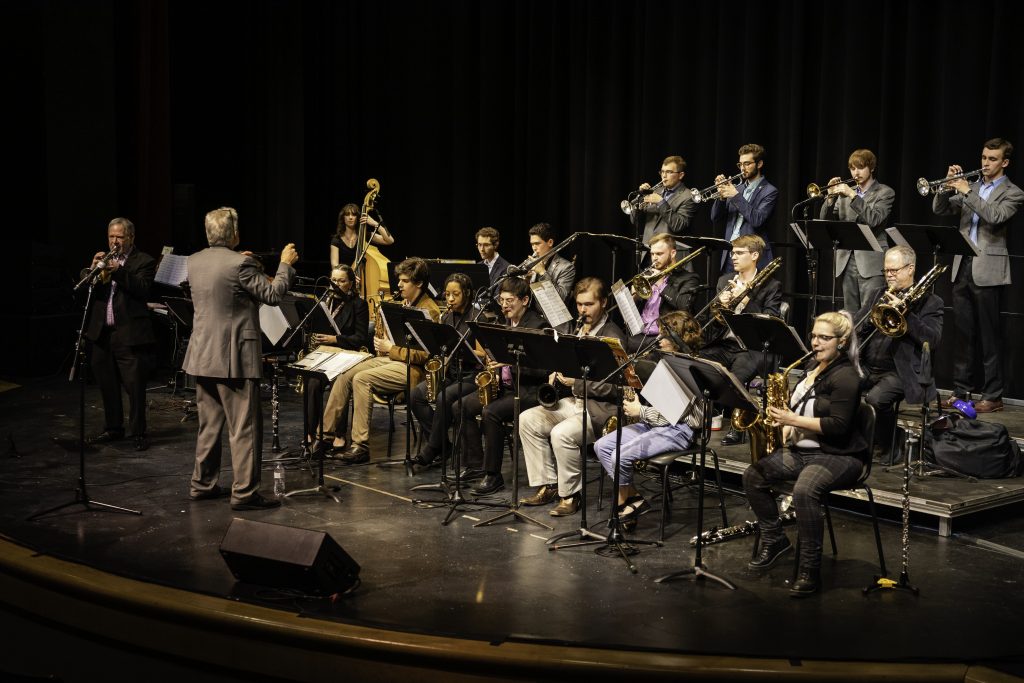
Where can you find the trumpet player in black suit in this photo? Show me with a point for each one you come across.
(458, 294)
(514, 297)
(892, 361)
(719, 343)
(674, 291)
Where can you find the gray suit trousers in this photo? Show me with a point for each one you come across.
(234, 403)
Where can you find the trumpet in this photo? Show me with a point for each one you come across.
(926, 187)
(628, 204)
(814, 190)
(713, 192)
(643, 282)
(104, 263)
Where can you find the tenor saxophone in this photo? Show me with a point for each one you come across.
(432, 368)
(486, 387)
(765, 433)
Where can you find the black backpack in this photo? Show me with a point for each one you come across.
(978, 449)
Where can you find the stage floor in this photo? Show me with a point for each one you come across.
(502, 583)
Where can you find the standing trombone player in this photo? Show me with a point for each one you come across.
(866, 201)
(985, 208)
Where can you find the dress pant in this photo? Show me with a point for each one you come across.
(976, 316)
(234, 403)
(815, 474)
(381, 375)
(859, 288)
(336, 410)
(551, 444)
(886, 389)
(493, 417)
(429, 417)
(116, 364)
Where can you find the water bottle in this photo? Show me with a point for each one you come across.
(279, 480)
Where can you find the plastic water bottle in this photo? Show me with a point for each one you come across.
(279, 480)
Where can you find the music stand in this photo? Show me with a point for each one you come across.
(767, 334)
(692, 242)
(440, 270)
(836, 235)
(512, 346)
(328, 491)
(596, 250)
(937, 239)
(717, 385)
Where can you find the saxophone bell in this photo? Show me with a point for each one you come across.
(486, 387)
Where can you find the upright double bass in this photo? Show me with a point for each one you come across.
(370, 266)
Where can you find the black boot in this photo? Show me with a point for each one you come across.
(770, 553)
(734, 437)
(807, 582)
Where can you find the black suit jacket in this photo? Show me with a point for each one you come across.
(767, 299)
(353, 321)
(924, 324)
(499, 268)
(131, 315)
(680, 291)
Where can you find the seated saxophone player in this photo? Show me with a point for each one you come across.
(458, 293)
(514, 296)
(826, 451)
(672, 292)
(892, 364)
(352, 317)
(719, 344)
(649, 433)
(385, 373)
(552, 437)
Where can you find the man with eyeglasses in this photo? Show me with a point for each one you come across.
(892, 365)
(670, 208)
(720, 345)
(487, 240)
(746, 207)
(869, 202)
(986, 207)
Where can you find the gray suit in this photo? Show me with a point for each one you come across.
(673, 215)
(562, 273)
(864, 279)
(224, 354)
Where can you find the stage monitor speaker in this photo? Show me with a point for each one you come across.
(286, 557)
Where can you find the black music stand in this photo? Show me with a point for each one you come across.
(440, 270)
(767, 334)
(937, 239)
(512, 346)
(602, 255)
(717, 385)
(711, 244)
(328, 491)
(836, 235)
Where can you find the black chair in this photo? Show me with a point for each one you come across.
(661, 465)
(866, 425)
(391, 400)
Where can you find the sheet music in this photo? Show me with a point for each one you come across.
(667, 394)
(330, 318)
(630, 313)
(173, 270)
(801, 235)
(273, 323)
(550, 303)
(331, 360)
(870, 237)
(387, 326)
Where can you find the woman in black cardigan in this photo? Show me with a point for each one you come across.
(826, 449)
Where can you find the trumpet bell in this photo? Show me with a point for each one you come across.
(924, 188)
(626, 206)
(813, 191)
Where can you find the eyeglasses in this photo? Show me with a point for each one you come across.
(744, 164)
(741, 252)
(507, 301)
(664, 172)
(821, 337)
(893, 271)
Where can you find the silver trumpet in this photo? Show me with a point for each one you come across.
(926, 187)
(711, 193)
(630, 202)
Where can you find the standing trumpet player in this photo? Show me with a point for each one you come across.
(746, 207)
(985, 208)
(868, 202)
(670, 207)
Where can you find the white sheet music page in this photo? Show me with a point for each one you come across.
(273, 323)
(173, 270)
(550, 303)
(666, 393)
(330, 318)
(630, 313)
(869, 236)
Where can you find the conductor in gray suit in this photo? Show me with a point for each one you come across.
(985, 208)
(224, 356)
(869, 203)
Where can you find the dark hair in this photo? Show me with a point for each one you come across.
(465, 284)
(517, 287)
(543, 231)
(861, 158)
(341, 217)
(1000, 143)
(682, 330)
(415, 269)
(490, 233)
(588, 283)
(756, 150)
(677, 160)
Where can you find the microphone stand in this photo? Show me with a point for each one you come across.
(812, 262)
(78, 365)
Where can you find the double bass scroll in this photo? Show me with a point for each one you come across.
(370, 266)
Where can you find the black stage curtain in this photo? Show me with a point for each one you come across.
(492, 113)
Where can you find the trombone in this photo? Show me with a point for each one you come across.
(710, 193)
(643, 282)
(814, 190)
(629, 203)
(926, 187)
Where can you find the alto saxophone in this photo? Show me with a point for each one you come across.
(432, 368)
(612, 423)
(765, 433)
(378, 328)
(486, 387)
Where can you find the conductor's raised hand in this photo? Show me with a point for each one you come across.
(289, 255)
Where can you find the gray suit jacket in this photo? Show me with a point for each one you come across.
(674, 215)
(562, 274)
(992, 267)
(873, 210)
(227, 289)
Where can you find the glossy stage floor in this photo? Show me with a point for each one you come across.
(85, 587)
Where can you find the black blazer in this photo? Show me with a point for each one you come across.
(353, 321)
(767, 299)
(836, 393)
(131, 315)
(680, 292)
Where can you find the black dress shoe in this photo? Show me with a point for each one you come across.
(355, 455)
(491, 483)
(734, 437)
(215, 492)
(105, 436)
(471, 474)
(256, 502)
(424, 458)
(807, 583)
(770, 553)
(141, 443)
